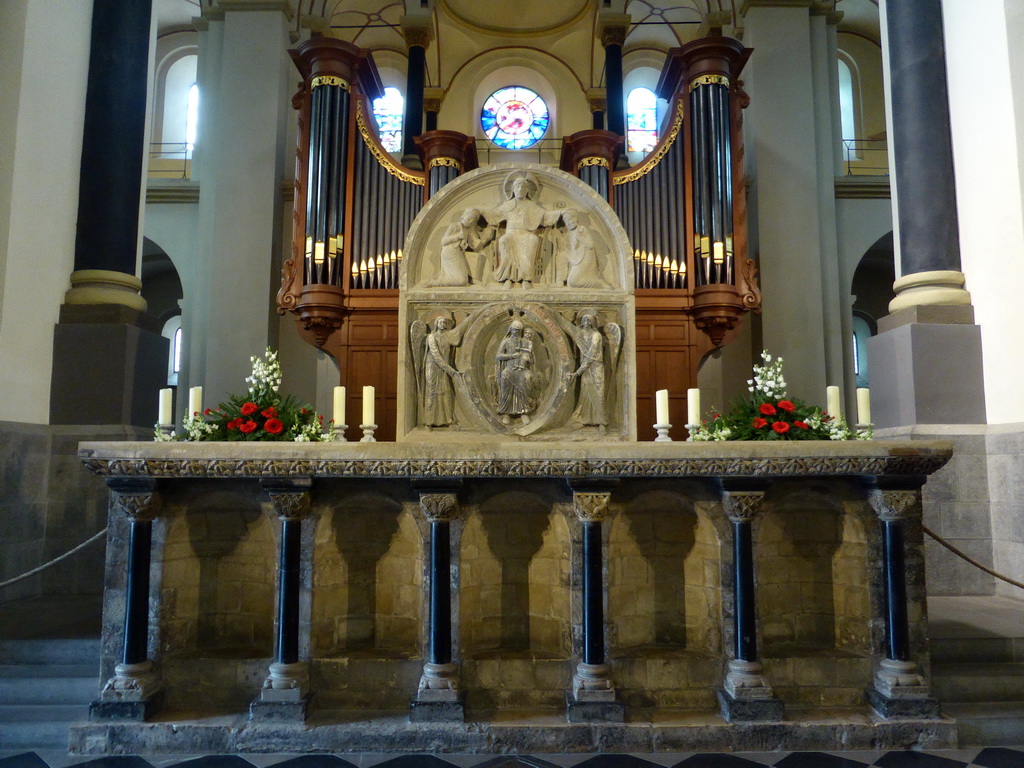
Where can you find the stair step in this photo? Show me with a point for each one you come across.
(34, 736)
(48, 690)
(63, 651)
(973, 682)
(90, 670)
(43, 713)
(992, 724)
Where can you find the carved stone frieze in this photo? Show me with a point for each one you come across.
(439, 507)
(590, 507)
(685, 466)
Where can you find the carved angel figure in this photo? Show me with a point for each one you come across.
(596, 358)
(433, 354)
(519, 248)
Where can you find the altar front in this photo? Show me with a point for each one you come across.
(516, 597)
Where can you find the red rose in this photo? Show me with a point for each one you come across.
(249, 409)
(802, 424)
(767, 409)
(207, 412)
(248, 426)
(269, 412)
(787, 406)
(274, 426)
(759, 423)
(781, 427)
(234, 424)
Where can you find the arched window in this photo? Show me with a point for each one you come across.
(641, 120)
(861, 334)
(388, 110)
(191, 119)
(847, 111)
(172, 332)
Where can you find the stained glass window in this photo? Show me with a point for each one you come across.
(388, 110)
(641, 120)
(514, 117)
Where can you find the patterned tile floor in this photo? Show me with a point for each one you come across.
(975, 757)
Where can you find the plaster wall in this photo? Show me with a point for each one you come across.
(41, 145)
(989, 204)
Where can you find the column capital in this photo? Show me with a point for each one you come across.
(290, 498)
(417, 30)
(439, 507)
(597, 99)
(287, 7)
(136, 497)
(591, 506)
(612, 28)
(893, 505)
(743, 506)
(432, 99)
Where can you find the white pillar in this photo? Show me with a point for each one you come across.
(246, 81)
(987, 129)
(788, 134)
(43, 73)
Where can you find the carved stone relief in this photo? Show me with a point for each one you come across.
(517, 312)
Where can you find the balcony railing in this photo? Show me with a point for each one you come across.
(170, 160)
(866, 157)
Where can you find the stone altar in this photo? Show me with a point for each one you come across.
(519, 516)
(516, 313)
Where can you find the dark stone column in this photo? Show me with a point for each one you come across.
(134, 692)
(109, 357)
(899, 689)
(432, 98)
(593, 697)
(418, 34)
(438, 697)
(613, 28)
(591, 155)
(914, 378)
(745, 694)
(285, 692)
(445, 155)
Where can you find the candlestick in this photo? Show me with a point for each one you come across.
(692, 407)
(195, 401)
(367, 405)
(863, 406)
(368, 430)
(832, 402)
(663, 428)
(661, 406)
(166, 409)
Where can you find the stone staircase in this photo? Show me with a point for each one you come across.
(45, 685)
(977, 648)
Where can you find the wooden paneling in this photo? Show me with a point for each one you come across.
(370, 357)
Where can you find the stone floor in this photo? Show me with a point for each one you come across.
(976, 757)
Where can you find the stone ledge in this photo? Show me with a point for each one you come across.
(665, 731)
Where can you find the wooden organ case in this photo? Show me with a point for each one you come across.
(683, 208)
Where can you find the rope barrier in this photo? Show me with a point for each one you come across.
(55, 560)
(971, 560)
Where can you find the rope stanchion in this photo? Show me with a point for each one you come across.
(971, 560)
(55, 560)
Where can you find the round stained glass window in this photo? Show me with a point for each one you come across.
(514, 117)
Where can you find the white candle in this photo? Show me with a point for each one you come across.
(832, 401)
(339, 406)
(661, 406)
(166, 407)
(195, 401)
(693, 406)
(367, 405)
(863, 405)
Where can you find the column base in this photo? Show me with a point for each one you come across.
(279, 710)
(136, 711)
(588, 710)
(746, 709)
(437, 711)
(284, 696)
(134, 693)
(912, 707)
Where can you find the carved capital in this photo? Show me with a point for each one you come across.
(893, 506)
(743, 506)
(612, 28)
(439, 507)
(417, 30)
(590, 507)
(138, 507)
(290, 505)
